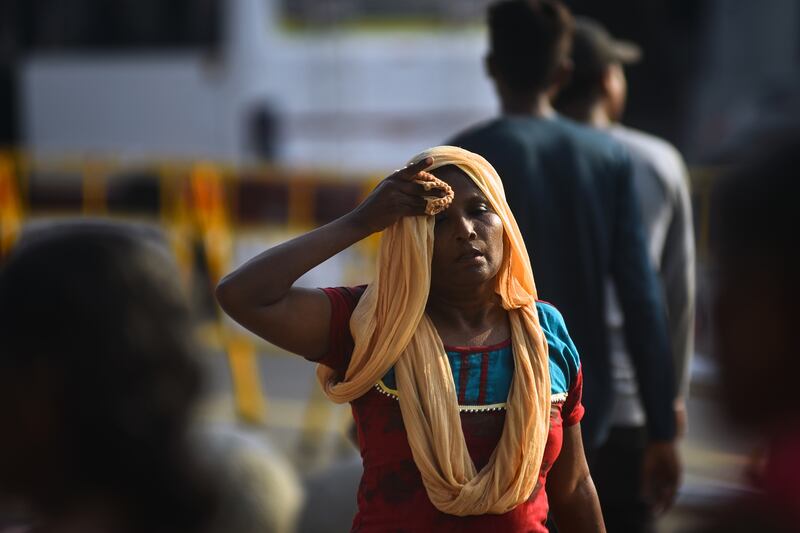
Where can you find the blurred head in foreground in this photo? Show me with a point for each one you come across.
(755, 217)
(97, 382)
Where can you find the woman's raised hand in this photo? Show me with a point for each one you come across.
(397, 196)
(261, 295)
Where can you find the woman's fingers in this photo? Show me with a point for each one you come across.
(409, 199)
(408, 173)
(403, 194)
(416, 189)
(416, 205)
(411, 196)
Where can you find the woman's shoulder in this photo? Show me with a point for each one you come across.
(549, 315)
(565, 362)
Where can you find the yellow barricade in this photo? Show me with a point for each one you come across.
(10, 205)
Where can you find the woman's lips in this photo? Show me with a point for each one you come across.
(471, 256)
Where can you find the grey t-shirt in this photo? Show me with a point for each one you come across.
(661, 183)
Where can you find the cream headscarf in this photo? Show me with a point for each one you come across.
(390, 328)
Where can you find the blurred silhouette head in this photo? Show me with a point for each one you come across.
(597, 72)
(97, 377)
(529, 43)
(754, 246)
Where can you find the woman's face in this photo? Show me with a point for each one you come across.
(468, 242)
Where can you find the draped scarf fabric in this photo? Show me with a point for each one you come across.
(390, 328)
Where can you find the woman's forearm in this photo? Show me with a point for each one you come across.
(579, 511)
(260, 295)
(268, 277)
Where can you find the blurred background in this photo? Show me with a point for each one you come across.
(232, 125)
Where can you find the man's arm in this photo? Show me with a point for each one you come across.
(678, 273)
(638, 290)
(639, 294)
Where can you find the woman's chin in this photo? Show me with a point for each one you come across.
(469, 278)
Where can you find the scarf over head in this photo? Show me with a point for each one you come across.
(390, 328)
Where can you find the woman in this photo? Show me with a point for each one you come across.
(461, 413)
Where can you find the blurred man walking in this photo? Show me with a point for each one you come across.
(596, 95)
(571, 189)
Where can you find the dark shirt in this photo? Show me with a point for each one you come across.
(571, 191)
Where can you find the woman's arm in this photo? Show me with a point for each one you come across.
(260, 294)
(570, 489)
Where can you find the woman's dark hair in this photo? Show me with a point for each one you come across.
(528, 41)
(100, 307)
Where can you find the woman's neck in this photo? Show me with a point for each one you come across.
(474, 317)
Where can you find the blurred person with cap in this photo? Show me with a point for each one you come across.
(596, 96)
(573, 192)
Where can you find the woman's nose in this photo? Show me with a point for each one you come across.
(465, 229)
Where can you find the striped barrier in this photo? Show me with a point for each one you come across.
(204, 206)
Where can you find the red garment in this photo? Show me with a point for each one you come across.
(391, 495)
(781, 479)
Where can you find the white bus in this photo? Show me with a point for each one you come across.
(347, 85)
